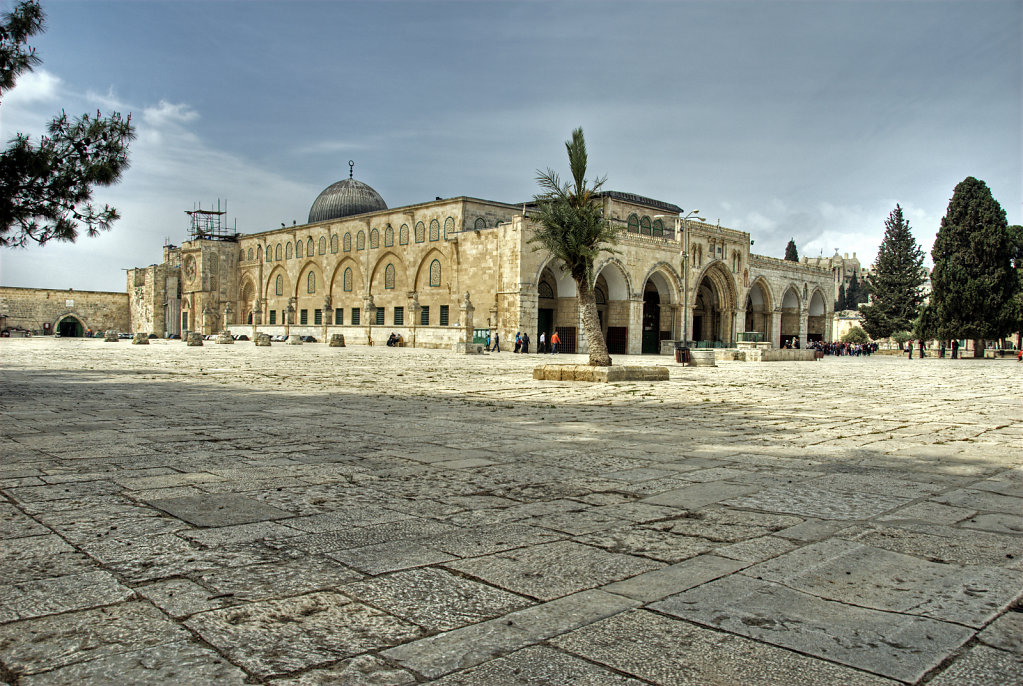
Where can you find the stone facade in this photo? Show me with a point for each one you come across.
(842, 268)
(406, 270)
(69, 312)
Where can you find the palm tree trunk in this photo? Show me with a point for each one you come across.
(599, 356)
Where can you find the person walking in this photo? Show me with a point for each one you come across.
(518, 341)
(955, 348)
(555, 340)
(543, 339)
(497, 343)
(909, 349)
(525, 343)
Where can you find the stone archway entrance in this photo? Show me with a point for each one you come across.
(758, 312)
(817, 321)
(546, 306)
(714, 309)
(789, 318)
(70, 327)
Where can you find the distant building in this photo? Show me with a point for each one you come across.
(365, 270)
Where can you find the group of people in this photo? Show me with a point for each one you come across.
(838, 348)
(522, 342)
(395, 340)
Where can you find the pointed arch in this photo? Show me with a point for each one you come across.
(449, 227)
(403, 235)
(374, 238)
(618, 282)
(422, 277)
(420, 232)
(287, 250)
(389, 236)
(342, 286)
(347, 243)
(360, 241)
(333, 244)
(379, 274)
(299, 249)
(434, 230)
(671, 281)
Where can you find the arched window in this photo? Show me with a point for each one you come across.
(269, 253)
(287, 251)
(389, 276)
(310, 283)
(348, 242)
(435, 273)
(360, 241)
(259, 253)
(388, 236)
(403, 234)
(434, 230)
(481, 223)
(374, 239)
(633, 223)
(545, 291)
(644, 226)
(309, 247)
(322, 244)
(279, 285)
(277, 253)
(348, 280)
(333, 244)
(298, 247)
(250, 254)
(420, 232)
(449, 227)
(658, 227)
(599, 297)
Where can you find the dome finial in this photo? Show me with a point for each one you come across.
(351, 168)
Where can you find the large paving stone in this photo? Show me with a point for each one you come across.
(553, 570)
(894, 645)
(823, 503)
(667, 651)
(60, 594)
(870, 577)
(982, 666)
(537, 666)
(281, 636)
(39, 645)
(435, 656)
(435, 599)
(218, 510)
(170, 663)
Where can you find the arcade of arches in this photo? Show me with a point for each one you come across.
(407, 270)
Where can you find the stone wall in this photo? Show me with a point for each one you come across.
(40, 310)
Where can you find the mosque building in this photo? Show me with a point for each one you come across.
(362, 269)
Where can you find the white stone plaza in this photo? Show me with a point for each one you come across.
(301, 514)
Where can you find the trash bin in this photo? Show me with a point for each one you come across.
(681, 353)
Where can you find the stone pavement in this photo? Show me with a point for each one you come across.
(310, 515)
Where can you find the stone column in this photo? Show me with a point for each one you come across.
(740, 323)
(328, 315)
(776, 328)
(635, 343)
(465, 326)
(413, 309)
(804, 326)
(257, 316)
(370, 310)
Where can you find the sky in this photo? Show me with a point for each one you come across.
(788, 120)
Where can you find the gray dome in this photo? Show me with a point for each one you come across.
(345, 198)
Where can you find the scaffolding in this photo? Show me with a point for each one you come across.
(210, 224)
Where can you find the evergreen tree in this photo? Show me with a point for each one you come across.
(569, 223)
(790, 251)
(895, 280)
(842, 300)
(1016, 241)
(45, 189)
(973, 282)
(855, 294)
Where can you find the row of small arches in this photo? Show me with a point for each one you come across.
(287, 251)
(645, 225)
(348, 278)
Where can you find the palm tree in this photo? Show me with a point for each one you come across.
(569, 223)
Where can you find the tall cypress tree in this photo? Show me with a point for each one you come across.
(973, 283)
(790, 251)
(855, 294)
(840, 304)
(895, 280)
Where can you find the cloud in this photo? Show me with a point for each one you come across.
(166, 114)
(39, 86)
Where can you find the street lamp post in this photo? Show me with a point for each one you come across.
(682, 230)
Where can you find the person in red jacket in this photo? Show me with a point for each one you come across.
(554, 343)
